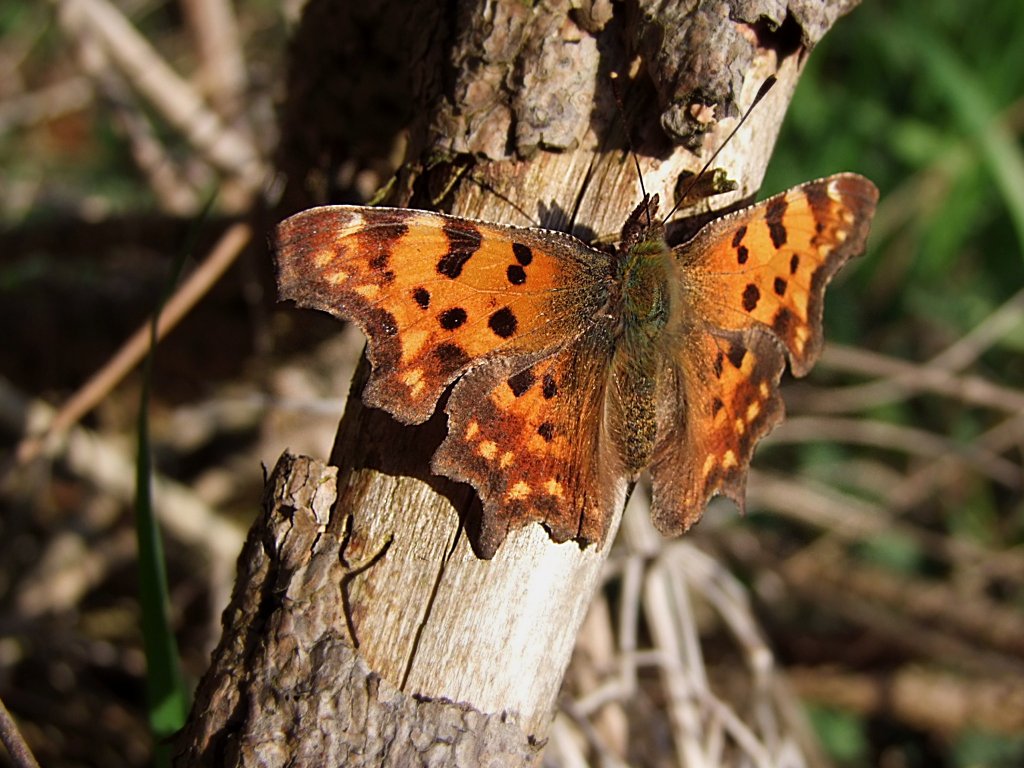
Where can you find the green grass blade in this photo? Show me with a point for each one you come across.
(166, 693)
(976, 114)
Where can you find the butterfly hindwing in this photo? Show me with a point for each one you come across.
(723, 397)
(530, 437)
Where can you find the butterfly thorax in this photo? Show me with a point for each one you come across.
(641, 308)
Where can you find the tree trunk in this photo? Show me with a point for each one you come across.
(355, 625)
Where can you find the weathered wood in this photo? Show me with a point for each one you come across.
(388, 581)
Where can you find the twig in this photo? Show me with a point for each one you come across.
(222, 63)
(940, 702)
(132, 351)
(107, 466)
(172, 191)
(915, 377)
(915, 442)
(224, 147)
(928, 616)
(14, 741)
(925, 481)
(46, 104)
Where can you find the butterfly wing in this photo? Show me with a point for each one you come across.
(754, 282)
(532, 438)
(512, 314)
(767, 265)
(436, 295)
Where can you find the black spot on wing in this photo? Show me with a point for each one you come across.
(522, 253)
(782, 323)
(463, 241)
(388, 326)
(738, 237)
(503, 323)
(779, 286)
(451, 356)
(817, 198)
(719, 360)
(794, 263)
(751, 295)
(515, 274)
(521, 382)
(736, 354)
(452, 318)
(422, 297)
(547, 431)
(550, 387)
(773, 217)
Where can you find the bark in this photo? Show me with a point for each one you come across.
(362, 610)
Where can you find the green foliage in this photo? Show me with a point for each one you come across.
(986, 750)
(928, 93)
(842, 735)
(926, 100)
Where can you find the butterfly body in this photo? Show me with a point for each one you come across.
(573, 369)
(644, 308)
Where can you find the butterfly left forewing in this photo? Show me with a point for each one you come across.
(435, 295)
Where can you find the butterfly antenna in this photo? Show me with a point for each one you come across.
(629, 141)
(761, 93)
(505, 199)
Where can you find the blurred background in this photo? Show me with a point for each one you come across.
(881, 561)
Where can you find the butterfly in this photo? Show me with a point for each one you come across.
(574, 368)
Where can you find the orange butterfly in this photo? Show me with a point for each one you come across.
(575, 369)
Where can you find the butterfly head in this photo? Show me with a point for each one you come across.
(642, 227)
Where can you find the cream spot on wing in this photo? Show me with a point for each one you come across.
(763, 389)
(414, 381)
(506, 459)
(740, 426)
(519, 491)
(800, 301)
(472, 429)
(709, 464)
(368, 291)
(488, 449)
(322, 259)
(841, 235)
(729, 460)
(833, 191)
(336, 277)
(412, 343)
(753, 410)
(554, 488)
